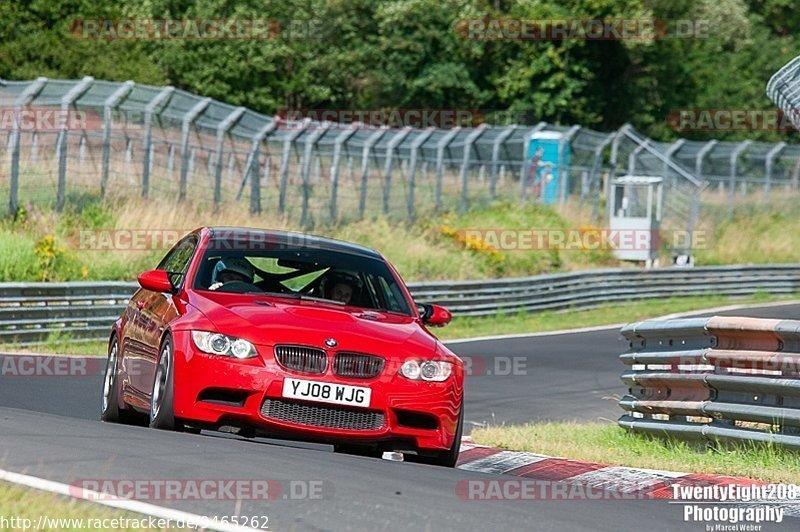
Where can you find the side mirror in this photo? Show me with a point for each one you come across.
(155, 280)
(435, 315)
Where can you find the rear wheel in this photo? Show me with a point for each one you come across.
(162, 412)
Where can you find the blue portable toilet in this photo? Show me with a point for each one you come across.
(545, 177)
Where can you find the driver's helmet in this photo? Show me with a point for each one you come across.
(235, 265)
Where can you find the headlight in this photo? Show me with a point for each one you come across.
(427, 370)
(223, 345)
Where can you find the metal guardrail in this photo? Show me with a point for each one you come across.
(29, 312)
(720, 378)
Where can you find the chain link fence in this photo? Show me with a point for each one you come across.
(165, 142)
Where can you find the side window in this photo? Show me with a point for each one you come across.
(393, 296)
(177, 259)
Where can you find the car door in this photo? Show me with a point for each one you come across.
(158, 310)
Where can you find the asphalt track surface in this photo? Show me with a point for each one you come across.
(49, 428)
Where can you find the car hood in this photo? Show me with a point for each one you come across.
(273, 320)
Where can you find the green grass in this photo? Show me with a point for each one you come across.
(607, 443)
(24, 503)
(622, 312)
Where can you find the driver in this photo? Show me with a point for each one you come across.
(341, 287)
(231, 270)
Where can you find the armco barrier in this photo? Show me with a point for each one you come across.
(31, 311)
(720, 378)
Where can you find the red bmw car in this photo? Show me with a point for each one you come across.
(286, 335)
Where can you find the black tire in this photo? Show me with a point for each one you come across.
(109, 403)
(447, 458)
(162, 411)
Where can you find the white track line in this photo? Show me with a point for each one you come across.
(619, 325)
(120, 504)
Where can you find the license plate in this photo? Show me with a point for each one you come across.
(324, 392)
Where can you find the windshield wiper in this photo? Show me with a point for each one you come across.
(296, 295)
(306, 297)
(290, 295)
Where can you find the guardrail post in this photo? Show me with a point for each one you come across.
(468, 142)
(732, 178)
(444, 142)
(222, 128)
(109, 105)
(186, 124)
(419, 140)
(66, 101)
(563, 180)
(394, 142)
(365, 152)
(338, 142)
(253, 166)
(496, 144)
(152, 107)
(310, 142)
(23, 100)
(768, 163)
(525, 168)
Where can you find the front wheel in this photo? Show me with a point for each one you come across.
(162, 412)
(109, 407)
(447, 458)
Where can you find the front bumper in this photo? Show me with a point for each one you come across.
(218, 391)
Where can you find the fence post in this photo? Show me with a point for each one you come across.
(108, 108)
(287, 152)
(498, 141)
(698, 162)
(444, 142)
(394, 142)
(66, 101)
(186, 124)
(626, 130)
(633, 155)
(468, 142)
(671, 151)
(732, 178)
(768, 168)
(597, 161)
(365, 152)
(341, 138)
(419, 140)
(253, 165)
(151, 107)
(23, 100)
(223, 128)
(525, 168)
(564, 180)
(310, 141)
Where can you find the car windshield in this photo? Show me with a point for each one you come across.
(302, 272)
